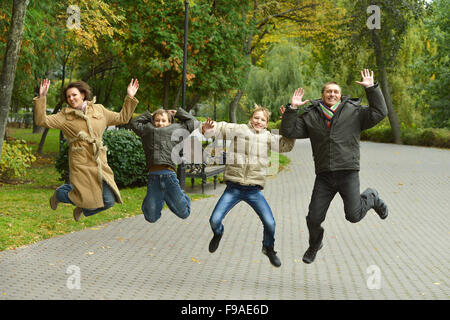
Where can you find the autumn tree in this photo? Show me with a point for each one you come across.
(10, 62)
(154, 46)
(435, 64)
(269, 21)
(382, 24)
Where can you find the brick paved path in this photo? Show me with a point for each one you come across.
(133, 259)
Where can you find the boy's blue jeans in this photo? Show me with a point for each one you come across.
(235, 193)
(62, 195)
(163, 186)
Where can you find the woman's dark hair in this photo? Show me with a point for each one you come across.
(82, 86)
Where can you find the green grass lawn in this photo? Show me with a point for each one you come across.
(51, 145)
(25, 214)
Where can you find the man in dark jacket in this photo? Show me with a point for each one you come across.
(333, 124)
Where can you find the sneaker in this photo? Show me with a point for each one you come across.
(274, 260)
(77, 212)
(380, 207)
(53, 201)
(214, 243)
(310, 254)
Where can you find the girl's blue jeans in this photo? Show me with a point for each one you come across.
(235, 193)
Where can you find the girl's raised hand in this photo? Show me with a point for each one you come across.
(208, 125)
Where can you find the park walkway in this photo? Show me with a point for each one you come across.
(403, 257)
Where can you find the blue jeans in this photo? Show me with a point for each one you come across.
(62, 195)
(163, 186)
(235, 193)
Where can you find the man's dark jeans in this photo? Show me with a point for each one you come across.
(326, 186)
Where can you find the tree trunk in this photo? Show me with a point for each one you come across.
(393, 120)
(192, 102)
(177, 97)
(234, 104)
(10, 62)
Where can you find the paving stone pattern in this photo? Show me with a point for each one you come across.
(133, 259)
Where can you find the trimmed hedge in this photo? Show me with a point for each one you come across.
(428, 137)
(125, 157)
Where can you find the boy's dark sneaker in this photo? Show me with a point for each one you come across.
(380, 207)
(77, 212)
(214, 243)
(274, 260)
(310, 254)
(53, 201)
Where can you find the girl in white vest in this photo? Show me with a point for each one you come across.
(247, 162)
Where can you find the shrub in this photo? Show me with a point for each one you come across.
(125, 157)
(428, 137)
(274, 125)
(16, 158)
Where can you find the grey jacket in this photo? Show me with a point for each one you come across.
(159, 143)
(335, 148)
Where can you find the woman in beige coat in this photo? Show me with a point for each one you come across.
(247, 163)
(92, 187)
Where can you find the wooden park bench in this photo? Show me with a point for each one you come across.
(211, 165)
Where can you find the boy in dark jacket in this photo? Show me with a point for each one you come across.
(333, 124)
(156, 131)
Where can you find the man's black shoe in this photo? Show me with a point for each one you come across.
(380, 207)
(310, 254)
(214, 243)
(274, 260)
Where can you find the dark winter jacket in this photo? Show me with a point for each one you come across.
(159, 143)
(335, 148)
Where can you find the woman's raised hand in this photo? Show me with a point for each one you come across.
(43, 89)
(133, 87)
(296, 100)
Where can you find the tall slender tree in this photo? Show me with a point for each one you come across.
(10, 62)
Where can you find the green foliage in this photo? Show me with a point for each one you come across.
(154, 46)
(433, 90)
(125, 157)
(274, 125)
(285, 68)
(428, 137)
(62, 162)
(16, 158)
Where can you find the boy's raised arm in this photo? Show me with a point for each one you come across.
(187, 119)
(139, 124)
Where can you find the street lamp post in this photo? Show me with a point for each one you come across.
(181, 167)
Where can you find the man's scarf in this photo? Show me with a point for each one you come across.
(328, 112)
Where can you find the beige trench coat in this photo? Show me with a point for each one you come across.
(88, 164)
